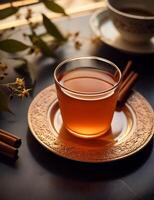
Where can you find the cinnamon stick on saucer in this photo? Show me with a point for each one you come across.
(128, 80)
(126, 88)
(126, 69)
(9, 138)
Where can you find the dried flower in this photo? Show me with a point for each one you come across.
(29, 14)
(20, 82)
(76, 34)
(18, 89)
(24, 93)
(77, 45)
(95, 39)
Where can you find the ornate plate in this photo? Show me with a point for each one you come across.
(131, 130)
(103, 27)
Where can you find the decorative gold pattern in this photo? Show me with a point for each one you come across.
(45, 123)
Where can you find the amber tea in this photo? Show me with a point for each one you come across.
(87, 101)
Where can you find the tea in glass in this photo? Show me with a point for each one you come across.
(87, 90)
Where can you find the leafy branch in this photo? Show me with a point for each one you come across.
(36, 44)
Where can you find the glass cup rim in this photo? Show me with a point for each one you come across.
(93, 58)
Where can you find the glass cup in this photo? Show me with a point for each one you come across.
(87, 91)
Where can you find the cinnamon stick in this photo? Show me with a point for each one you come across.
(126, 88)
(8, 150)
(125, 81)
(126, 69)
(9, 138)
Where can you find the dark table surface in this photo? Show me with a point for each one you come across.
(40, 174)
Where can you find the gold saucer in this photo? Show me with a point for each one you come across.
(131, 130)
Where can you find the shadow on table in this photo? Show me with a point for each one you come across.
(141, 62)
(87, 171)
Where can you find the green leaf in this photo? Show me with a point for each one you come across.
(38, 42)
(12, 46)
(4, 101)
(52, 29)
(53, 6)
(7, 12)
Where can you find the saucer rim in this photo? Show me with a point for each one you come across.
(66, 156)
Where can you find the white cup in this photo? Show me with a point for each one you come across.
(134, 19)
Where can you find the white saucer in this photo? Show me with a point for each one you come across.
(103, 27)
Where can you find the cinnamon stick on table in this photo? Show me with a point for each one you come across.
(9, 138)
(9, 144)
(8, 150)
